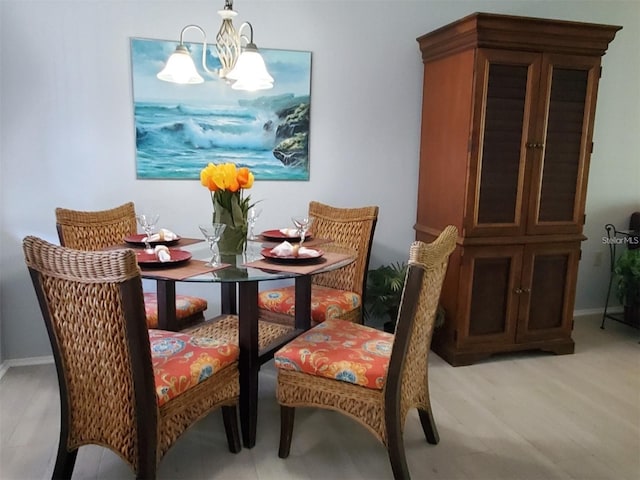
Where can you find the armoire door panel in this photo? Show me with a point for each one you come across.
(548, 283)
(559, 175)
(489, 300)
(504, 82)
(489, 276)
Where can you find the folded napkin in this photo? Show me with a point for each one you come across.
(291, 232)
(163, 253)
(163, 235)
(285, 249)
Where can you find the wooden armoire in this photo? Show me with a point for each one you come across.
(507, 123)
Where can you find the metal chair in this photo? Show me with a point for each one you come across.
(615, 239)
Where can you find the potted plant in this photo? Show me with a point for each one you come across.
(384, 291)
(627, 270)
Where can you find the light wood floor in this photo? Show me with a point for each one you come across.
(525, 416)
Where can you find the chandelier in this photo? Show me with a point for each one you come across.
(243, 67)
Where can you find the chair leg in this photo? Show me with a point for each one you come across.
(395, 443)
(65, 461)
(395, 448)
(230, 418)
(287, 417)
(147, 461)
(429, 426)
(148, 474)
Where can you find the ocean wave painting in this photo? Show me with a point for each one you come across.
(182, 128)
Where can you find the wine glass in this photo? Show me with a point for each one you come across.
(302, 224)
(252, 218)
(148, 223)
(212, 232)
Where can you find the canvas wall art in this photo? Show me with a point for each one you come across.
(181, 128)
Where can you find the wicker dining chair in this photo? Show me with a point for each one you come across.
(123, 386)
(369, 375)
(96, 230)
(336, 294)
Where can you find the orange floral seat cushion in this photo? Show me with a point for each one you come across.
(182, 361)
(340, 350)
(186, 306)
(325, 302)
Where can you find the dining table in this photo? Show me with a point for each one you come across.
(239, 277)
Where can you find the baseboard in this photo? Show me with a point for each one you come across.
(595, 311)
(22, 362)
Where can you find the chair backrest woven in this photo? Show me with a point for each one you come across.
(350, 229)
(407, 375)
(95, 230)
(93, 308)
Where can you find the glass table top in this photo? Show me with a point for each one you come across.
(237, 271)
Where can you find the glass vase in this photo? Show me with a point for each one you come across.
(234, 238)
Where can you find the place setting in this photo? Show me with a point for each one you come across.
(306, 263)
(162, 256)
(287, 252)
(163, 237)
(157, 253)
(150, 239)
(300, 232)
(294, 253)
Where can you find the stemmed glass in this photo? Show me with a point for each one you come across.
(148, 223)
(302, 223)
(212, 232)
(252, 218)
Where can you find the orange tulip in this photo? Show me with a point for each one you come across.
(245, 177)
(207, 177)
(226, 177)
(226, 183)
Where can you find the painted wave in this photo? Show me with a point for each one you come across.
(177, 141)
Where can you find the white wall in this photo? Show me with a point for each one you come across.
(67, 133)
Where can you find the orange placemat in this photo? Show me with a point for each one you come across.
(189, 269)
(329, 259)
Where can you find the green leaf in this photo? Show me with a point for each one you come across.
(627, 270)
(384, 290)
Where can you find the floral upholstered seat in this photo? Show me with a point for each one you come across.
(187, 308)
(326, 302)
(340, 350)
(182, 361)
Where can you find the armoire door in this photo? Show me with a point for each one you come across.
(487, 305)
(547, 290)
(506, 83)
(531, 142)
(561, 144)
